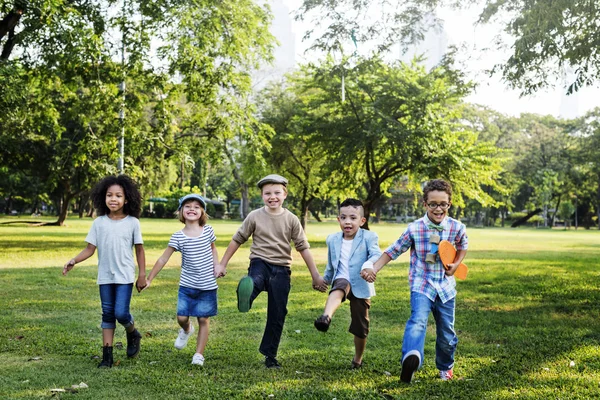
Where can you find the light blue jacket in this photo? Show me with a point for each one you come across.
(364, 248)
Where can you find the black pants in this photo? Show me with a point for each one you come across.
(275, 280)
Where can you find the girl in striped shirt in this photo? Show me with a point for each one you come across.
(199, 270)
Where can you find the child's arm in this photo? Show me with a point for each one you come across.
(140, 256)
(229, 252)
(159, 264)
(219, 270)
(369, 274)
(82, 256)
(460, 255)
(317, 281)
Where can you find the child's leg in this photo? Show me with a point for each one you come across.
(278, 291)
(122, 302)
(333, 302)
(203, 328)
(416, 326)
(107, 300)
(184, 322)
(446, 339)
(359, 349)
(107, 336)
(359, 326)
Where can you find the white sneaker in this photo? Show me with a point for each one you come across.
(198, 359)
(183, 338)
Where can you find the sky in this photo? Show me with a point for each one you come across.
(475, 42)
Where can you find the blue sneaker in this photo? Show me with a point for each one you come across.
(244, 291)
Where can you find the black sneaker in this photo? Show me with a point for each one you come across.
(322, 323)
(271, 362)
(409, 366)
(107, 357)
(133, 343)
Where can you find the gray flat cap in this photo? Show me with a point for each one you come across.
(273, 178)
(192, 196)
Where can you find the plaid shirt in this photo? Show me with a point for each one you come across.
(429, 279)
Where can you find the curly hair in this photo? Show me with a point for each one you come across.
(439, 185)
(132, 207)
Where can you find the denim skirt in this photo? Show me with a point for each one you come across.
(196, 302)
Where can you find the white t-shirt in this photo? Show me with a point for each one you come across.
(197, 269)
(342, 269)
(114, 240)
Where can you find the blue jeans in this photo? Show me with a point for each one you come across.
(276, 281)
(115, 299)
(416, 327)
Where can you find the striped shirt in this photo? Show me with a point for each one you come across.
(429, 279)
(197, 269)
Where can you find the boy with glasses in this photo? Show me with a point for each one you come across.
(432, 286)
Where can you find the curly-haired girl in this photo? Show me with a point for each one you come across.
(116, 230)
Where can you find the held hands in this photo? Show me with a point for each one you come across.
(319, 284)
(68, 266)
(368, 274)
(220, 270)
(142, 283)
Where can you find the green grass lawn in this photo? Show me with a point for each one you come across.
(528, 321)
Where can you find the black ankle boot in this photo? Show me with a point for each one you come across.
(133, 343)
(107, 357)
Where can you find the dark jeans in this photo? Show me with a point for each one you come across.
(275, 280)
(115, 299)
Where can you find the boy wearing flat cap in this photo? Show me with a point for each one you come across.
(272, 228)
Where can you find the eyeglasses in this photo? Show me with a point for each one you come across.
(443, 206)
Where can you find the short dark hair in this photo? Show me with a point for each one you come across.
(437, 184)
(132, 207)
(353, 203)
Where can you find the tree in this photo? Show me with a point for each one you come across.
(63, 51)
(549, 40)
(397, 119)
(588, 129)
(295, 152)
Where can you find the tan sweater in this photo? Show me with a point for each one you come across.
(271, 236)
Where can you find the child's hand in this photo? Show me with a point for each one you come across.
(68, 266)
(141, 283)
(368, 274)
(220, 270)
(319, 284)
(451, 268)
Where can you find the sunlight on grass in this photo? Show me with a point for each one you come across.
(527, 318)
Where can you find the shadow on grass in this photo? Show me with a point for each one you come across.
(519, 328)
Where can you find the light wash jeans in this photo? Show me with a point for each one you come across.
(416, 327)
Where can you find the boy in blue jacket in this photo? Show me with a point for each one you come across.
(348, 251)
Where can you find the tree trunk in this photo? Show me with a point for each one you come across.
(526, 218)
(555, 211)
(8, 205)
(245, 206)
(315, 215)
(598, 202)
(64, 209)
(81, 206)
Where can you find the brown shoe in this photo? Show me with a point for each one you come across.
(322, 323)
(356, 365)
